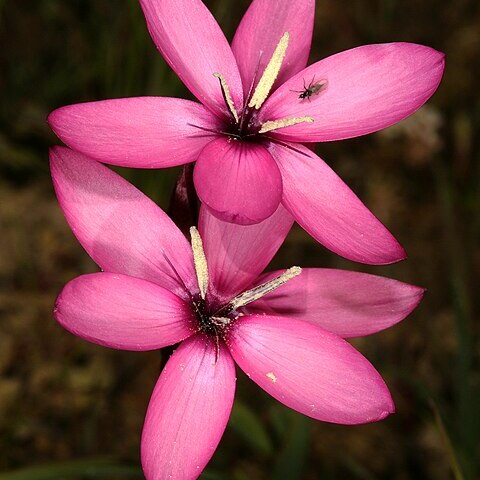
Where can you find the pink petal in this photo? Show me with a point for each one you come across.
(329, 211)
(237, 254)
(260, 30)
(188, 411)
(349, 304)
(310, 370)
(145, 132)
(119, 227)
(369, 88)
(192, 43)
(123, 312)
(239, 181)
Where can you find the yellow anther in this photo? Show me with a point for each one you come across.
(200, 261)
(226, 95)
(258, 292)
(284, 122)
(270, 73)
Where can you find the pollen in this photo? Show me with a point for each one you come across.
(284, 122)
(258, 292)
(226, 95)
(270, 73)
(200, 261)
(272, 377)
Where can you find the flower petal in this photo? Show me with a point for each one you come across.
(237, 254)
(193, 44)
(122, 312)
(369, 88)
(260, 30)
(329, 211)
(188, 411)
(145, 132)
(310, 370)
(239, 181)
(349, 304)
(119, 227)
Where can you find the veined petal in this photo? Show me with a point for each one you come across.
(119, 227)
(310, 370)
(193, 44)
(329, 211)
(188, 411)
(260, 30)
(349, 304)
(239, 181)
(144, 132)
(369, 88)
(123, 312)
(237, 254)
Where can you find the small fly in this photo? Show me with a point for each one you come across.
(314, 88)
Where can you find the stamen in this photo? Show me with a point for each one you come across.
(258, 292)
(216, 132)
(270, 73)
(226, 95)
(200, 261)
(284, 122)
(220, 321)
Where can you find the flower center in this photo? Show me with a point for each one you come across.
(244, 125)
(216, 320)
(210, 323)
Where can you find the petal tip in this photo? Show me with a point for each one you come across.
(385, 408)
(418, 294)
(54, 119)
(396, 254)
(381, 407)
(58, 310)
(388, 257)
(51, 118)
(440, 56)
(386, 413)
(390, 410)
(401, 255)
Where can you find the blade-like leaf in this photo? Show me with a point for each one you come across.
(247, 425)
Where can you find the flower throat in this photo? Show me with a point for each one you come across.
(213, 320)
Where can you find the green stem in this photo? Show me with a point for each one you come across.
(452, 457)
(456, 255)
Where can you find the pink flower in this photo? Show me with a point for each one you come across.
(284, 329)
(248, 143)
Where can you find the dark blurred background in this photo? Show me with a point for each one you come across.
(74, 410)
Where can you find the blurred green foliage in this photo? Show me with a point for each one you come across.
(63, 400)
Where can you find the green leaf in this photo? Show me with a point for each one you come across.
(358, 470)
(246, 424)
(447, 443)
(291, 460)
